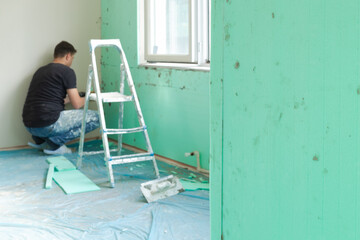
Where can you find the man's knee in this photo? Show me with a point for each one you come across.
(92, 121)
(93, 116)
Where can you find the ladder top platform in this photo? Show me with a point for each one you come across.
(94, 43)
(112, 97)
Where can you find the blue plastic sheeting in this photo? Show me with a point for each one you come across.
(28, 211)
(173, 218)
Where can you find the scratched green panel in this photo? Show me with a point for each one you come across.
(175, 103)
(216, 117)
(290, 119)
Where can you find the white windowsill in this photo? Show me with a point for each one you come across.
(180, 66)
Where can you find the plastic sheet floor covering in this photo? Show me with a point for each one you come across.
(29, 211)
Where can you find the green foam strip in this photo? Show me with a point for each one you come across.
(61, 163)
(49, 176)
(192, 186)
(74, 182)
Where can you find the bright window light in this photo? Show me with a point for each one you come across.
(174, 31)
(169, 27)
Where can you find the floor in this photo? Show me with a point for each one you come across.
(29, 211)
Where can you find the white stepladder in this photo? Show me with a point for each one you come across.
(152, 190)
(111, 97)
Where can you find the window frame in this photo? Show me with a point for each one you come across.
(199, 37)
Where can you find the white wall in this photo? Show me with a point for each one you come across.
(29, 31)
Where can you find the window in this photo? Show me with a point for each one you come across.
(174, 31)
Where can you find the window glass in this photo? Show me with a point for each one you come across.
(174, 31)
(169, 26)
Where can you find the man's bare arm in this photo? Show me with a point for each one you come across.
(75, 100)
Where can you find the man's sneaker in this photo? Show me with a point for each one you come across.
(38, 146)
(60, 151)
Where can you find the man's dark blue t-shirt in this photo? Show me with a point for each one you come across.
(45, 98)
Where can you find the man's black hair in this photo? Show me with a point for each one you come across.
(63, 48)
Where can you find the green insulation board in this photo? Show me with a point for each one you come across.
(194, 185)
(61, 163)
(49, 176)
(74, 182)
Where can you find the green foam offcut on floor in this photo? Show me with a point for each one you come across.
(74, 182)
(49, 176)
(69, 179)
(61, 163)
(194, 185)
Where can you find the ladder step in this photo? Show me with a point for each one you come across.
(131, 158)
(112, 97)
(123, 131)
(98, 152)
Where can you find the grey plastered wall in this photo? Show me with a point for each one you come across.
(29, 31)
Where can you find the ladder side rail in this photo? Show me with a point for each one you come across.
(121, 106)
(100, 105)
(83, 125)
(99, 102)
(155, 167)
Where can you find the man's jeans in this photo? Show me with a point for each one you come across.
(66, 128)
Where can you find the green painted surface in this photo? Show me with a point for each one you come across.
(194, 185)
(49, 176)
(216, 114)
(175, 103)
(290, 120)
(74, 181)
(61, 163)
